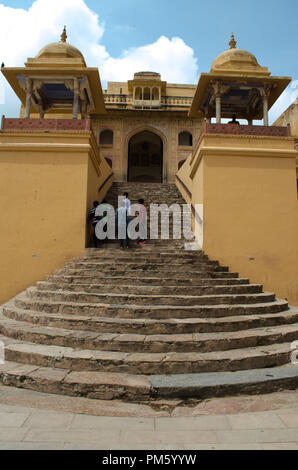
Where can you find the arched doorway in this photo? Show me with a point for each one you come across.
(145, 157)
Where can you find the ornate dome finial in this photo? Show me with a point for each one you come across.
(232, 42)
(64, 35)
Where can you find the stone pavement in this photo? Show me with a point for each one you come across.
(33, 420)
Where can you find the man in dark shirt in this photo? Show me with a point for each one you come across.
(234, 120)
(93, 220)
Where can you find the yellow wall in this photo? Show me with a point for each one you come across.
(289, 116)
(47, 180)
(248, 187)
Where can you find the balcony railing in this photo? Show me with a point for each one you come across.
(164, 102)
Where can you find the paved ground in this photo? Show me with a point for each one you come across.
(31, 420)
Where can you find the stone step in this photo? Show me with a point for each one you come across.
(151, 326)
(134, 299)
(124, 256)
(125, 288)
(163, 343)
(126, 324)
(150, 311)
(137, 388)
(62, 357)
(152, 245)
(140, 261)
(97, 385)
(139, 273)
(129, 264)
(151, 281)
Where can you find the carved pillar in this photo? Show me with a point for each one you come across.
(218, 108)
(75, 99)
(265, 93)
(217, 92)
(28, 97)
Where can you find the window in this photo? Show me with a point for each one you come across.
(185, 138)
(106, 137)
(138, 93)
(155, 94)
(147, 94)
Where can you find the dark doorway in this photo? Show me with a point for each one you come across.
(145, 158)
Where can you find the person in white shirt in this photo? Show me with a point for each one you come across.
(127, 203)
(122, 222)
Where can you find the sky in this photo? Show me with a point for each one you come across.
(177, 38)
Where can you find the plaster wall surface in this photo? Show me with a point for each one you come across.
(248, 189)
(47, 181)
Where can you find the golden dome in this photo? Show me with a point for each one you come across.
(60, 50)
(237, 61)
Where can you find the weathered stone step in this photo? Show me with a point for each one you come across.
(140, 264)
(191, 343)
(98, 385)
(150, 311)
(129, 387)
(208, 385)
(125, 288)
(145, 281)
(151, 326)
(139, 274)
(126, 299)
(62, 357)
(124, 256)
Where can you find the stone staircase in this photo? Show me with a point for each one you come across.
(150, 322)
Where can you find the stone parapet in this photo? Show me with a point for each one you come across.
(45, 124)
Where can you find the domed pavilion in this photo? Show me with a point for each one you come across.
(57, 81)
(237, 85)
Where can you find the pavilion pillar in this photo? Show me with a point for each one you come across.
(218, 108)
(265, 95)
(75, 99)
(28, 97)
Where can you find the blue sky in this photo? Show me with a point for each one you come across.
(125, 36)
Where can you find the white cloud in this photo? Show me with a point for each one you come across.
(24, 32)
(172, 58)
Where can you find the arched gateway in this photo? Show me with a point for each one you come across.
(145, 157)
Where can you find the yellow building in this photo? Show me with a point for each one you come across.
(73, 139)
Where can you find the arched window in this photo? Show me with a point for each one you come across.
(185, 138)
(155, 94)
(138, 93)
(106, 137)
(109, 161)
(180, 164)
(147, 94)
